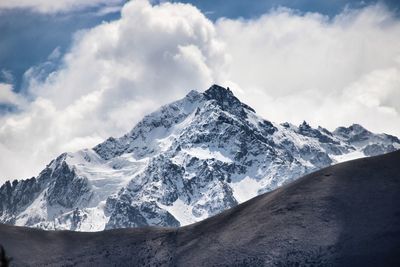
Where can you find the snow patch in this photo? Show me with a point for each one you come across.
(245, 189)
(206, 153)
(95, 220)
(181, 211)
(348, 156)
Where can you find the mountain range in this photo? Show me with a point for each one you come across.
(343, 215)
(188, 161)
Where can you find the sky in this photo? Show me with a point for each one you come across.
(74, 72)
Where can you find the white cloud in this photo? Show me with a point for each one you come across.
(289, 67)
(7, 96)
(54, 6)
(327, 71)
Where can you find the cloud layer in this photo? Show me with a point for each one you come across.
(327, 71)
(288, 66)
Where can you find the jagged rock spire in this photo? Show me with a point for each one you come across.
(226, 99)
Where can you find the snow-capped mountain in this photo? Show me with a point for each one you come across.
(187, 161)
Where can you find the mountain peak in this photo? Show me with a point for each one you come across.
(357, 128)
(225, 98)
(354, 129)
(218, 92)
(186, 161)
(304, 125)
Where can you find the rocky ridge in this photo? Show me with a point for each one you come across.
(190, 160)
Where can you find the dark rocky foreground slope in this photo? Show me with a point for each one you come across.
(344, 215)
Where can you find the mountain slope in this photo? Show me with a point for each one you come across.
(344, 215)
(190, 160)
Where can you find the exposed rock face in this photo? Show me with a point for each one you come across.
(189, 160)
